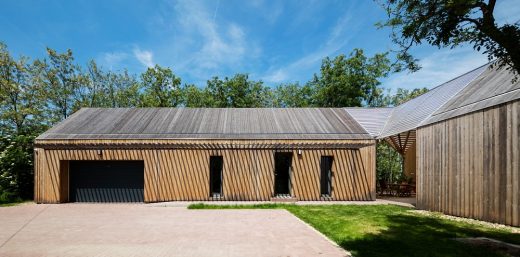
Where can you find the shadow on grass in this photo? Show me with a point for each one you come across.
(412, 235)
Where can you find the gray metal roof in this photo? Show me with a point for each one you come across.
(413, 113)
(371, 119)
(493, 87)
(208, 123)
(478, 89)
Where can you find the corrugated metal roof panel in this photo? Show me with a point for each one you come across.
(208, 123)
(371, 119)
(413, 113)
(492, 87)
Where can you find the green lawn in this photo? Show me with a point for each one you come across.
(388, 230)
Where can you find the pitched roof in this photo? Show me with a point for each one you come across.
(413, 113)
(493, 87)
(475, 90)
(371, 119)
(208, 123)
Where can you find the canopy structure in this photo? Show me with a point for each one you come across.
(402, 142)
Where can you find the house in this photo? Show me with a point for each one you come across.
(183, 154)
(459, 141)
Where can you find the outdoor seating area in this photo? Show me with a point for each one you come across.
(395, 189)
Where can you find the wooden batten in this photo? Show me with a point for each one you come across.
(469, 166)
(182, 174)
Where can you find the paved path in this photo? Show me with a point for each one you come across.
(406, 202)
(146, 230)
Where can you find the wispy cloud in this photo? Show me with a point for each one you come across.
(144, 57)
(204, 44)
(337, 39)
(437, 68)
(113, 59)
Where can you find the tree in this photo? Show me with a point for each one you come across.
(238, 92)
(59, 79)
(403, 95)
(123, 90)
(194, 96)
(92, 89)
(448, 23)
(161, 86)
(19, 101)
(16, 167)
(388, 163)
(352, 81)
(293, 95)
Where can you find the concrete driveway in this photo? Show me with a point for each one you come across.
(147, 230)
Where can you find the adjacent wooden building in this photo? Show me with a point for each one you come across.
(468, 152)
(461, 139)
(183, 154)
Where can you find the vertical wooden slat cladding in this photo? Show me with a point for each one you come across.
(469, 166)
(248, 174)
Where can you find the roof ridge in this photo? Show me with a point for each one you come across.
(458, 92)
(386, 122)
(354, 119)
(432, 92)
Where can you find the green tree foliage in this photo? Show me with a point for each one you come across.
(20, 104)
(59, 79)
(123, 90)
(448, 23)
(16, 167)
(20, 110)
(388, 163)
(238, 92)
(293, 95)
(196, 97)
(161, 86)
(403, 95)
(352, 81)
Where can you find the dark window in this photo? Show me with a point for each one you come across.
(282, 173)
(215, 175)
(326, 175)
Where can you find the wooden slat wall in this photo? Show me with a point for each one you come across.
(469, 166)
(248, 174)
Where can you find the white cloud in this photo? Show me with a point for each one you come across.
(276, 76)
(113, 59)
(217, 47)
(144, 57)
(437, 68)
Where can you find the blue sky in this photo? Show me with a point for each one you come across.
(274, 41)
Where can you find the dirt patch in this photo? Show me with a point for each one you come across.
(492, 244)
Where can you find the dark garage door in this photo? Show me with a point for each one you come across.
(106, 181)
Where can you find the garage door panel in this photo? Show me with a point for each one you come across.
(107, 181)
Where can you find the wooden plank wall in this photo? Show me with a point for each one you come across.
(248, 174)
(469, 166)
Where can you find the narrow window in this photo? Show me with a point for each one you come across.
(215, 175)
(326, 175)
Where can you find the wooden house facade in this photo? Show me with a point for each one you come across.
(169, 154)
(463, 137)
